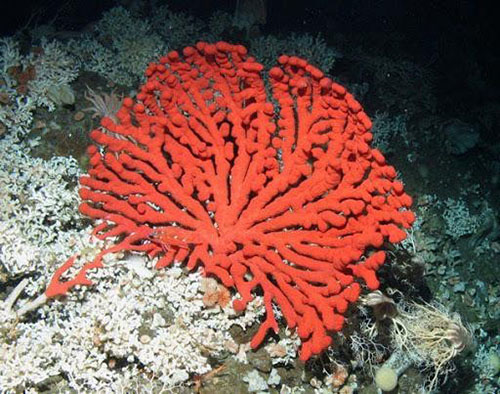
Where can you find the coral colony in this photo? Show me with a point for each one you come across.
(281, 194)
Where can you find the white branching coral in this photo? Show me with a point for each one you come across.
(314, 48)
(459, 221)
(179, 29)
(55, 70)
(9, 57)
(15, 110)
(17, 115)
(40, 78)
(386, 128)
(119, 48)
(38, 211)
(144, 317)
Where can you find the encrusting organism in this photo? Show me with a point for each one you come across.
(284, 195)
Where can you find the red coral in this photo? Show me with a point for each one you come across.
(286, 196)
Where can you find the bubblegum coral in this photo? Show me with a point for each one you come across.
(283, 195)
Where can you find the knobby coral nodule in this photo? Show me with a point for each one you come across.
(289, 198)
